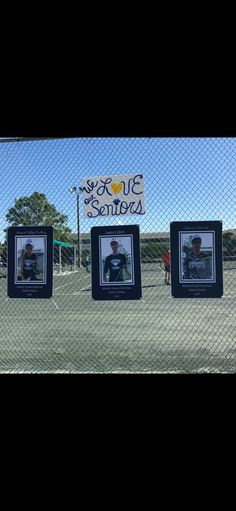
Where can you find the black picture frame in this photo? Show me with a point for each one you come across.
(191, 276)
(126, 285)
(39, 284)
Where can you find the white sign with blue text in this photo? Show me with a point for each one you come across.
(113, 196)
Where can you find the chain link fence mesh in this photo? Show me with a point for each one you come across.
(185, 179)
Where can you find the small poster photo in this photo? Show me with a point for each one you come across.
(30, 260)
(197, 257)
(116, 261)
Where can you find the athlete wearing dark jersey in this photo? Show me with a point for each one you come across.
(28, 264)
(114, 264)
(198, 266)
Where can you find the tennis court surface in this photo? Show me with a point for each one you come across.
(158, 334)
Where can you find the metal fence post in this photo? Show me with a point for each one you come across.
(60, 268)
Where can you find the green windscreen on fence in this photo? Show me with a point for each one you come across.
(63, 243)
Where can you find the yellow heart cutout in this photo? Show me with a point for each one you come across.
(116, 187)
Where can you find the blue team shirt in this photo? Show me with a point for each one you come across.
(198, 266)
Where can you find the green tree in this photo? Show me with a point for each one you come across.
(186, 248)
(3, 252)
(36, 210)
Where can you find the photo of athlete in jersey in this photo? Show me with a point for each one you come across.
(28, 263)
(115, 264)
(116, 260)
(197, 263)
(30, 259)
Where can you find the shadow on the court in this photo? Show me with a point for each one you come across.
(155, 285)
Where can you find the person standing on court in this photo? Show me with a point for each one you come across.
(198, 264)
(166, 262)
(28, 263)
(115, 264)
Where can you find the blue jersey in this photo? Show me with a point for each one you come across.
(198, 266)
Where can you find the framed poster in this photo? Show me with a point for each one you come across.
(116, 263)
(30, 262)
(196, 259)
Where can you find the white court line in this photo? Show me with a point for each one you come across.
(64, 274)
(54, 303)
(77, 292)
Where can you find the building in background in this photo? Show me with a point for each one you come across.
(153, 244)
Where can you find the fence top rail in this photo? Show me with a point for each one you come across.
(27, 139)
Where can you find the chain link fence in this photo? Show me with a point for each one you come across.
(185, 179)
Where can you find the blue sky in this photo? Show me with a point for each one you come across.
(185, 179)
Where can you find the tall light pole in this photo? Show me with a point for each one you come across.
(74, 190)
